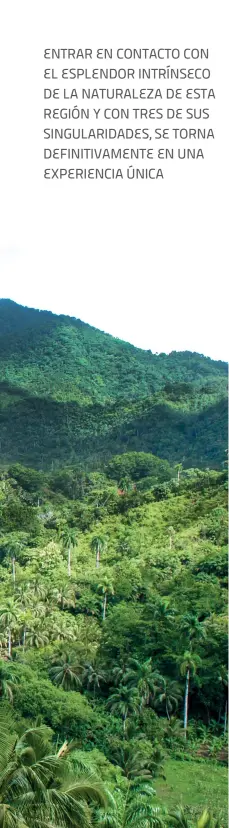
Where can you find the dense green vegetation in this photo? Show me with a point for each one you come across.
(113, 581)
(113, 612)
(70, 392)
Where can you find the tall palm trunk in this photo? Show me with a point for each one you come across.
(13, 571)
(9, 642)
(97, 558)
(186, 702)
(167, 711)
(104, 606)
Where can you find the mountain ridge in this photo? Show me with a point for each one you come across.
(10, 303)
(69, 390)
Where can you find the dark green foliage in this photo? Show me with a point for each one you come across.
(17, 515)
(70, 392)
(29, 479)
(138, 465)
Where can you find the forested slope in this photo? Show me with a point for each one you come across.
(127, 572)
(71, 393)
(109, 598)
(113, 578)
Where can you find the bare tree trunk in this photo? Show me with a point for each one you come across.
(97, 558)
(9, 643)
(167, 711)
(24, 639)
(104, 606)
(186, 702)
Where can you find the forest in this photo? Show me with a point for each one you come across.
(71, 393)
(113, 581)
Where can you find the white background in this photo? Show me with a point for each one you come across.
(143, 260)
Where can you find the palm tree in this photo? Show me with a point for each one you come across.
(173, 733)
(119, 673)
(92, 678)
(106, 588)
(3, 642)
(65, 674)
(26, 620)
(13, 547)
(69, 540)
(38, 786)
(98, 544)
(124, 702)
(37, 589)
(135, 810)
(7, 680)
(65, 596)
(142, 676)
(60, 629)
(179, 468)
(8, 616)
(189, 664)
(162, 612)
(40, 610)
(178, 819)
(194, 630)
(23, 594)
(134, 762)
(37, 636)
(170, 696)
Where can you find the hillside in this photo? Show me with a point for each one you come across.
(113, 580)
(71, 393)
(107, 599)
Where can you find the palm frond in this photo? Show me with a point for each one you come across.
(11, 819)
(7, 745)
(178, 818)
(90, 791)
(68, 811)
